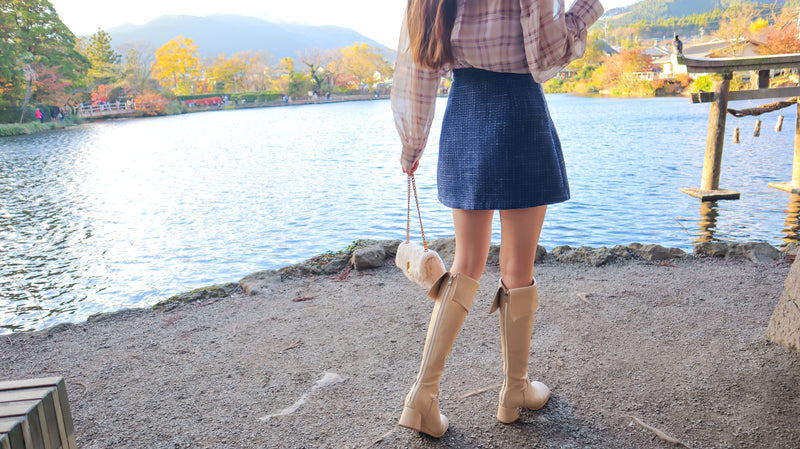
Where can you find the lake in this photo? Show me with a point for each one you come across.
(126, 213)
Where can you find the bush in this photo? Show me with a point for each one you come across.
(198, 97)
(684, 79)
(27, 128)
(175, 108)
(12, 130)
(11, 115)
(553, 86)
(702, 84)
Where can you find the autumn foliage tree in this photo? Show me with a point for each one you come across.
(51, 88)
(365, 63)
(781, 37)
(33, 37)
(177, 66)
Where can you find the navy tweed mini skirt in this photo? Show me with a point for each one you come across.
(498, 148)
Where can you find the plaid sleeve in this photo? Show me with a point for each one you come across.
(413, 100)
(553, 38)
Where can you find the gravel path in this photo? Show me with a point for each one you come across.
(680, 347)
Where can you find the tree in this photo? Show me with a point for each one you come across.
(316, 61)
(258, 74)
(50, 88)
(33, 36)
(365, 62)
(177, 66)
(228, 73)
(103, 60)
(138, 68)
(781, 37)
(735, 27)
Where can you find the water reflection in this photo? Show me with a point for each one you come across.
(792, 223)
(709, 211)
(126, 213)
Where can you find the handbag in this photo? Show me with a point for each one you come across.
(421, 264)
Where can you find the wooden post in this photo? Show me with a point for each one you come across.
(793, 186)
(796, 161)
(763, 79)
(709, 187)
(716, 134)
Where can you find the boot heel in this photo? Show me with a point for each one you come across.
(411, 418)
(507, 415)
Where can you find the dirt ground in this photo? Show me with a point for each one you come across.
(680, 347)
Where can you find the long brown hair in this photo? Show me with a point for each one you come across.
(430, 23)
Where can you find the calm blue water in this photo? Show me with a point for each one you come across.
(126, 213)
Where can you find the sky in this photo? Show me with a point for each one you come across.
(376, 19)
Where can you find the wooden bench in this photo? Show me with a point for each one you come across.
(34, 414)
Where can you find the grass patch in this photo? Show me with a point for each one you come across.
(15, 129)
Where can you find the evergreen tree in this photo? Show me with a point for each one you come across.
(103, 60)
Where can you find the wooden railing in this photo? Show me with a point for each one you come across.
(109, 108)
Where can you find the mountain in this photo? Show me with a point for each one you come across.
(654, 10)
(229, 33)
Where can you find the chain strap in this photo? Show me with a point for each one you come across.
(412, 184)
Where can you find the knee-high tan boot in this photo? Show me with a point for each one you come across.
(453, 295)
(517, 307)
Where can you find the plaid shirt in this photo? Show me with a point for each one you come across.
(516, 36)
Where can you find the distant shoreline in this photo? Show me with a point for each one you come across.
(15, 129)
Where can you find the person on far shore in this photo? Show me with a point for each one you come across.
(498, 150)
(39, 115)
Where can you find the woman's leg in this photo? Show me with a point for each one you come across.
(518, 298)
(520, 236)
(453, 294)
(473, 237)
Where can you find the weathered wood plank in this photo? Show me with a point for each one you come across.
(760, 94)
(30, 383)
(19, 408)
(712, 195)
(27, 394)
(730, 65)
(38, 411)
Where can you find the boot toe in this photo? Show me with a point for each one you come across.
(540, 396)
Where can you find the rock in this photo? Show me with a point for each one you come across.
(446, 247)
(390, 246)
(260, 282)
(494, 255)
(328, 263)
(758, 252)
(541, 254)
(711, 249)
(369, 257)
(791, 248)
(594, 256)
(655, 252)
(199, 294)
(784, 327)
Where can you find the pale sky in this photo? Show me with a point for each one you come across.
(376, 19)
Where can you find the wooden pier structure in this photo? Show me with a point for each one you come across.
(712, 164)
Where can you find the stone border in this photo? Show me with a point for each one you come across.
(370, 254)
